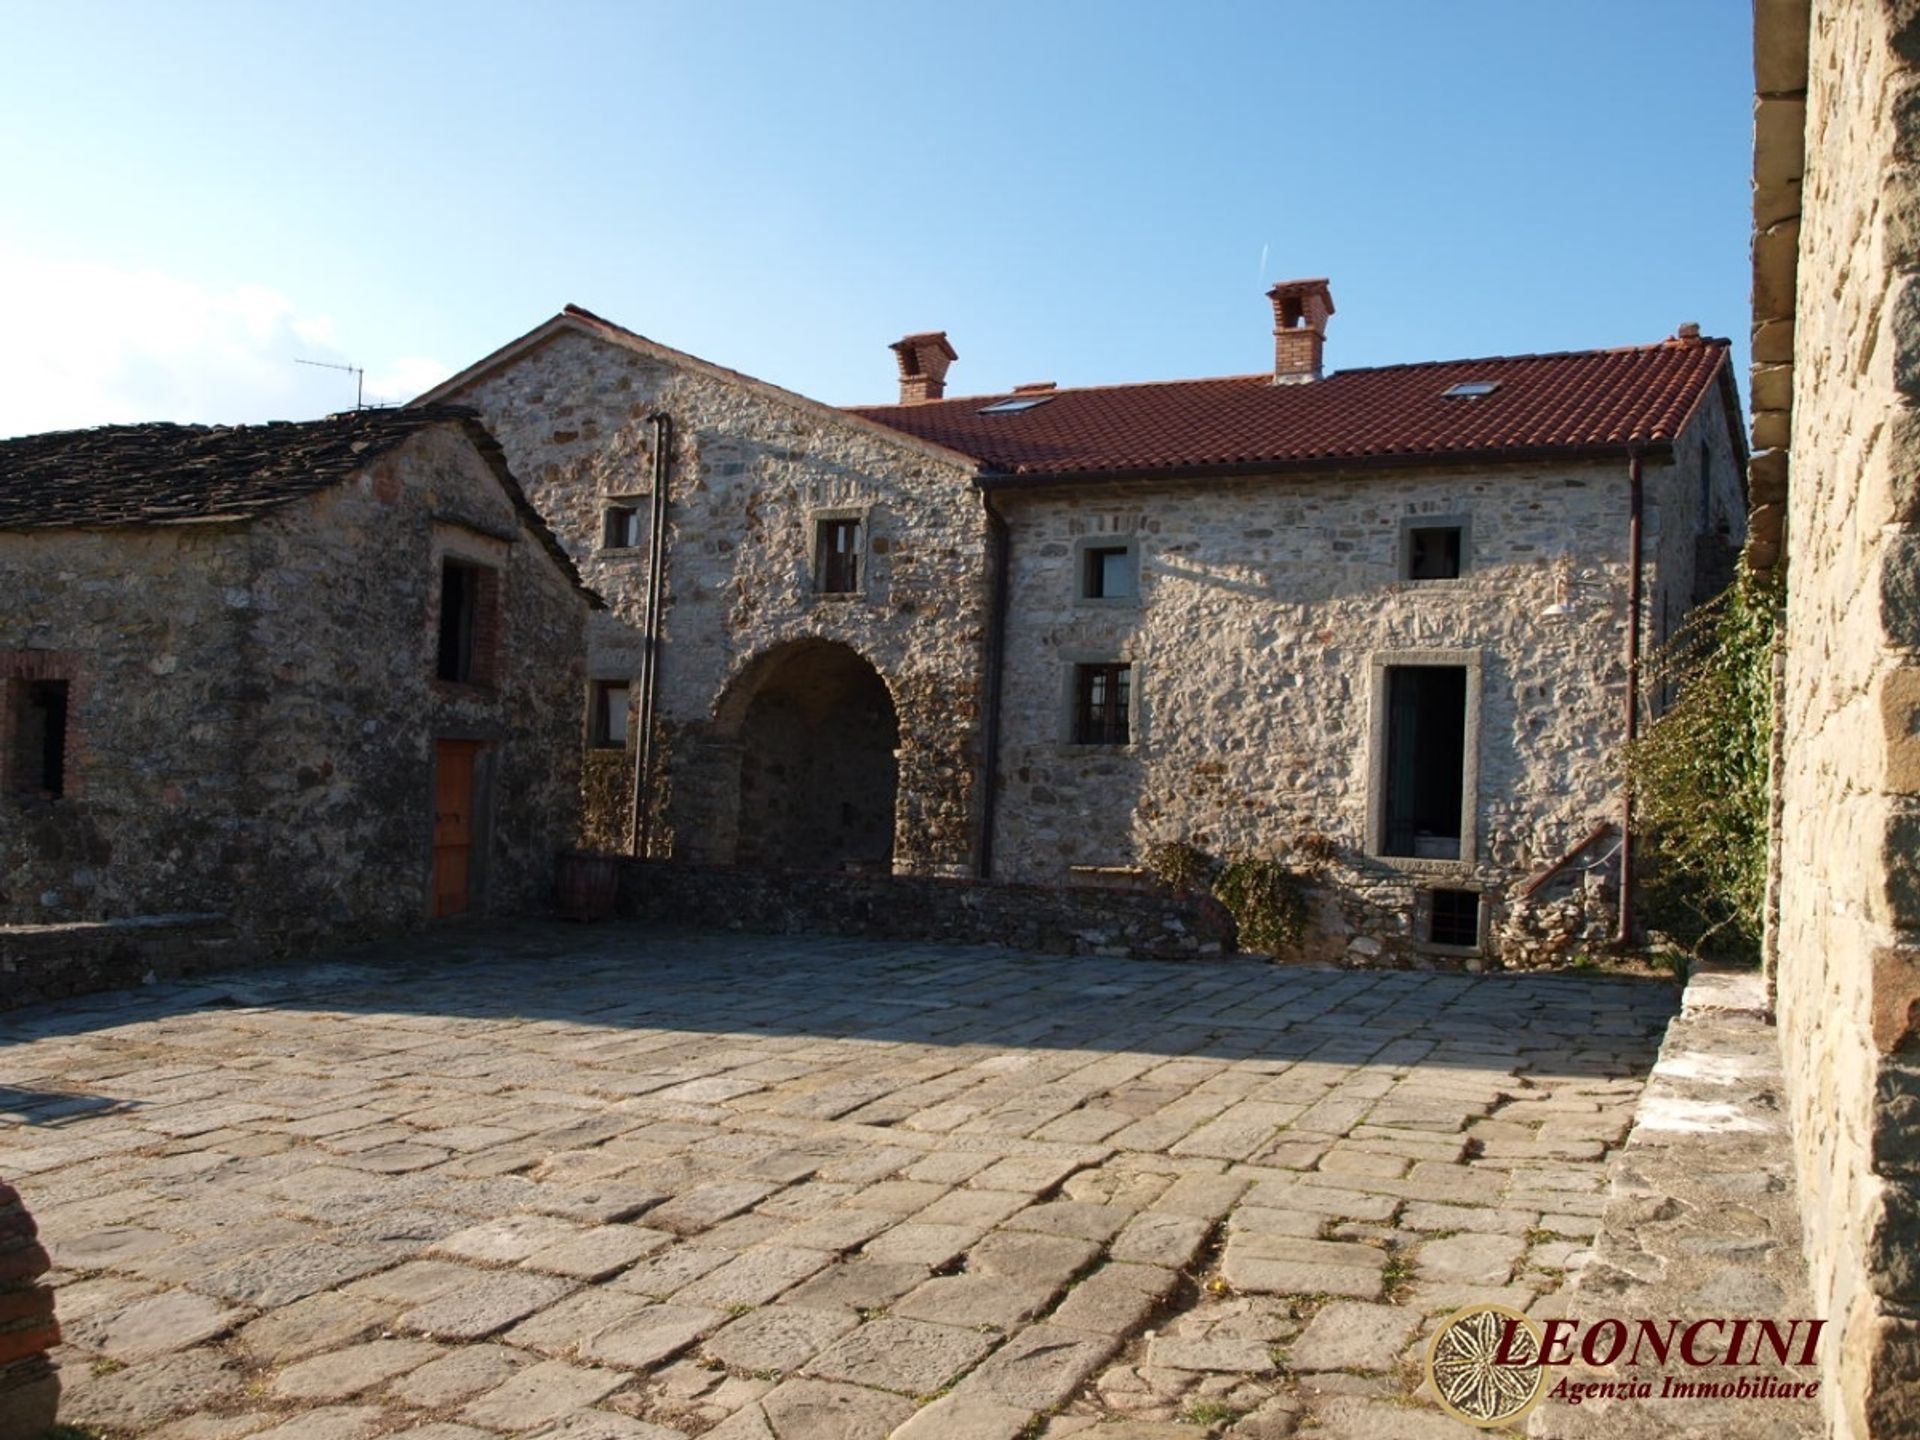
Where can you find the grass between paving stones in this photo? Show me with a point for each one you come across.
(1210, 1412)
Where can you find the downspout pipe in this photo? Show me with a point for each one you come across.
(641, 839)
(999, 553)
(1636, 513)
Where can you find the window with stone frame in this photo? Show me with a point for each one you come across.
(1425, 802)
(1102, 697)
(838, 554)
(1435, 552)
(1453, 918)
(1110, 572)
(607, 722)
(467, 651)
(621, 526)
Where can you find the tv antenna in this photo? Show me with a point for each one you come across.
(359, 377)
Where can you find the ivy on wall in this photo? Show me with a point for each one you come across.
(1699, 772)
(1265, 897)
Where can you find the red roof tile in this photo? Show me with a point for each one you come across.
(1580, 401)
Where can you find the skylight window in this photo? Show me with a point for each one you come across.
(1470, 389)
(1015, 405)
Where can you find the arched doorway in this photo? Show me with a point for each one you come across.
(817, 732)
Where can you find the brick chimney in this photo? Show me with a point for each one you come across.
(923, 366)
(1301, 309)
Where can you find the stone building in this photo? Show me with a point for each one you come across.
(316, 677)
(1836, 489)
(1378, 620)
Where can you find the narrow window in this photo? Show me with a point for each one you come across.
(1426, 760)
(837, 557)
(1433, 552)
(609, 721)
(621, 528)
(1109, 572)
(1454, 918)
(1100, 697)
(469, 615)
(1705, 521)
(40, 739)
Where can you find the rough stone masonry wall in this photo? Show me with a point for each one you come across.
(344, 604)
(144, 626)
(750, 470)
(1052, 920)
(1263, 610)
(1848, 935)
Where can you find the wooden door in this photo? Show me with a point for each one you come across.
(453, 794)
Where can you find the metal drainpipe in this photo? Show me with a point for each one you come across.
(1000, 553)
(1635, 507)
(642, 832)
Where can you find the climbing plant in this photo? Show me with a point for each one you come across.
(1699, 772)
(1265, 898)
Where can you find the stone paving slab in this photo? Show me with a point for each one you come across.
(613, 1184)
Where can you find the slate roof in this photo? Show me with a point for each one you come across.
(135, 476)
(1578, 403)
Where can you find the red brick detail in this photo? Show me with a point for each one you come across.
(923, 366)
(24, 1344)
(27, 1324)
(28, 1262)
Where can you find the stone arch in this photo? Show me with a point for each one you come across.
(817, 735)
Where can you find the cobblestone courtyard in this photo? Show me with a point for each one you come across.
(605, 1183)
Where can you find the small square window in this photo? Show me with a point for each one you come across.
(607, 726)
(620, 528)
(1101, 694)
(469, 622)
(1433, 552)
(1109, 572)
(1454, 918)
(39, 739)
(837, 555)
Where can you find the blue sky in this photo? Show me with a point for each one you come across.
(196, 194)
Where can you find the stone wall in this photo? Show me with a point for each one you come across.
(1848, 934)
(145, 626)
(1059, 920)
(345, 611)
(50, 962)
(751, 469)
(252, 713)
(1267, 611)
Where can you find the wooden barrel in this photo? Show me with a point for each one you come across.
(588, 885)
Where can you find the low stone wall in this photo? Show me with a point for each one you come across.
(29, 1383)
(1066, 920)
(50, 962)
(1701, 1221)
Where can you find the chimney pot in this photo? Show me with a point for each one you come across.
(923, 365)
(1688, 331)
(1301, 309)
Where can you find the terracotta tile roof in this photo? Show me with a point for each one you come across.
(124, 476)
(1581, 401)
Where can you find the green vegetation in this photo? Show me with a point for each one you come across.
(1699, 773)
(1265, 897)
(1209, 1412)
